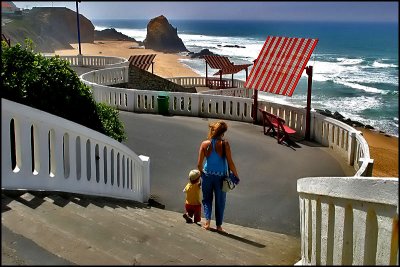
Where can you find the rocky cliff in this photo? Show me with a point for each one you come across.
(50, 28)
(161, 36)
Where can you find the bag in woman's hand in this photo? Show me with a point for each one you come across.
(227, 185)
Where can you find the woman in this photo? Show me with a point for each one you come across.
(214, 171)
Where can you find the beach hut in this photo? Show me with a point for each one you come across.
(142, 61)
(225, 66)
(278, 69)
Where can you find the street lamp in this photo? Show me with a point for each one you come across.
(79, 33)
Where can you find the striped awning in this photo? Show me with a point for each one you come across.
(232, 69)
(218, 62)
(142, 61)
(224, 65)
(279, 65)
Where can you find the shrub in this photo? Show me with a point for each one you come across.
(49, 84)
(111, 123)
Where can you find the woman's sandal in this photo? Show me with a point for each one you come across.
(206, 226)
(220, 230)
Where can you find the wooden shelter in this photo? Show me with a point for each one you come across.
(278, 69)
(225, 66)
(142, 61)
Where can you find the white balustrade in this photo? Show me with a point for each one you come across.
(201, 82)
(41, 151)
(109, 76)
(343, 220)
(232, 104)
(348, 220)
(239, 92)
(294, 117)
(93, 61)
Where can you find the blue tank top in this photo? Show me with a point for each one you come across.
(215, 164)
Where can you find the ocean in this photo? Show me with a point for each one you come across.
(355, 64)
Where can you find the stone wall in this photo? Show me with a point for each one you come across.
(145, 80)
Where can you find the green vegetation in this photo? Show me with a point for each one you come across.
(49, 84)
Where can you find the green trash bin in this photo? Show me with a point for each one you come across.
(163, 104)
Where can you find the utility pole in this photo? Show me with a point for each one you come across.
(309, 72)
(79, 33)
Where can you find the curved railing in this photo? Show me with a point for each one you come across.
(329, 213)
(109, 76)
(201, 81)
(202, 105)
(344, 220)
(41, 151)
(93, 61)
(342, 138)
(349, 221)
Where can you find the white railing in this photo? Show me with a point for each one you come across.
(239, 92)
(41, 151)
(93, 61)
(349, 221)
(186, 104)
(109, 76)
(343, 220)
(201, 81)
(342, 138)
(294, 117)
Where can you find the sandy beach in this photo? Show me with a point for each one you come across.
(165, 65)
(383, 149)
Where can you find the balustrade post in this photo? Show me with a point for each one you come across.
(352, 148)
(368, 170)
(80, 60)
(145, 178)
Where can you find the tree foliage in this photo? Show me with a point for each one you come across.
(49, 84)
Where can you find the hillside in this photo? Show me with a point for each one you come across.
(50, 28)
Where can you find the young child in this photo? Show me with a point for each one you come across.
(193, 201)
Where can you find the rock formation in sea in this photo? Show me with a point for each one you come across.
(336, 115)
(201, 54)
(111, 35)
(161, 36)
(50, 28)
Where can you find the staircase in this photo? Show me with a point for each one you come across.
(76, 229)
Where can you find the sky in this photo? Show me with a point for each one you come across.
(382, 11)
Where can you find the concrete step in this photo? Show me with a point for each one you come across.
(104, 232)
(93, 230)
(24, 220)
(171, 228)
(247, 244)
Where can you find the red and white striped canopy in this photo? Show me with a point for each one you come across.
(218, 62)
(280, 64)
(232, 69)
(224, 65)
(142, 61)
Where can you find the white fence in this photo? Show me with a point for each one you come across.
(342, 138)
(201, 82)
(93, 61)
(344, 220)
(349, 221)
(41, 151)
(201, 105)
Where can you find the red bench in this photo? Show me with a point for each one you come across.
(277, 125)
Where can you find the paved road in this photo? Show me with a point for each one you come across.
(265, 199)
